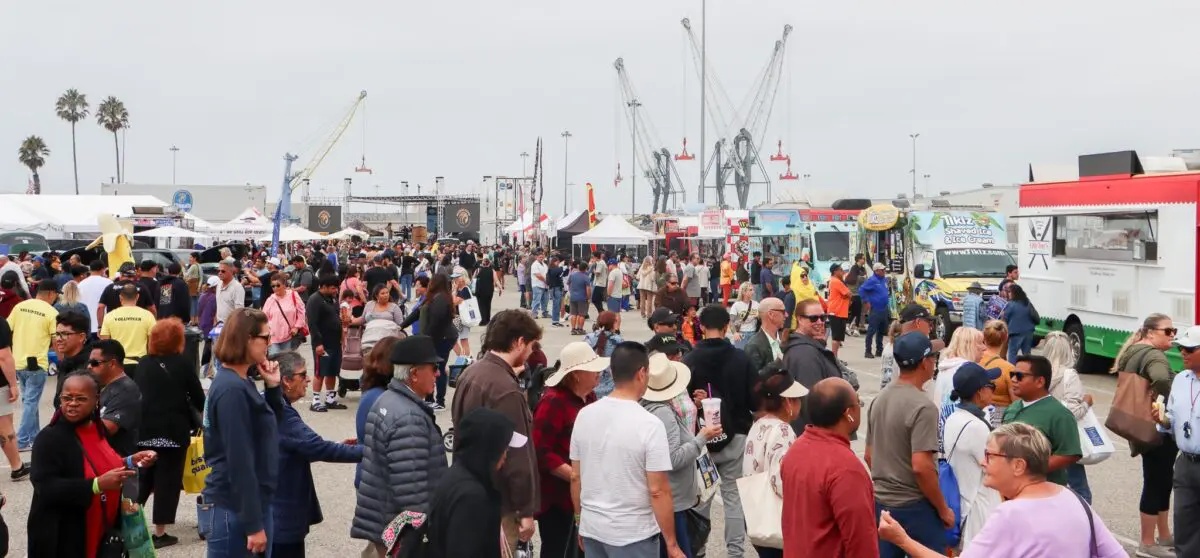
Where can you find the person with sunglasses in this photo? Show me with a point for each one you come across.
(285, 315)
(1180, 421)
(805, 354)
(1144, 354)
(1031, 380)
(1037, 519)
(120, 397)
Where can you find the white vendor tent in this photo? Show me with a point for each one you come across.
(293, 233)
(170, 232)
(347, 233)
(613, 230)
(68, 213)
(250, 222)
(525, 223)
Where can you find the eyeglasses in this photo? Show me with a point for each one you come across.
(1020, 376)
(1170, 331)
(265, 337)
(1188, 350)
(65, 334)
(94, 363)
(815, 318)
(987, 456)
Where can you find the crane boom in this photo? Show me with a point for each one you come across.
(298, 178)
(655, 159)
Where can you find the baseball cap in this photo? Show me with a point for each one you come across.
(878, 266)
(274, 261)
(663, 315)
(835, 267)
(127, 268)
(911, 348)
(971, 377)
(1188, 338)
(666, 343)
(612, 261)
(914, 312)
(213, 281)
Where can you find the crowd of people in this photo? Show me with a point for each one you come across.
(616, 450)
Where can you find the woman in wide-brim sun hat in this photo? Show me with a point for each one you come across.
(568, 390)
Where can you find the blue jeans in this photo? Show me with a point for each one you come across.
(31, 383)
(443, 351)
(877, 326)
(921, 522)
(681, 536)
(539, 301)
(1019, 343)
(1077, 480)
(228, 537)
(556, 296)
(645, 548)
(406, 283)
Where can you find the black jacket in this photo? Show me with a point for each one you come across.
(727, 369)
(324, 321)
(174, 300)
(809, 362)
(437, 318)
(464, 518)
(61, 494)
(168, 397)
(758, 349)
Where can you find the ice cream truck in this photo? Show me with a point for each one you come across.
(1099, 253)
(933, 254)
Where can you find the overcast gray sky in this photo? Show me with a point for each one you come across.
(459, 89)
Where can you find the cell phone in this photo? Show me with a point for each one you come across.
(31, 363)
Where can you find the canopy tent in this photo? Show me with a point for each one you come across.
(67, 213)
(250, 222)
(613, 230)
(525, 223)
(570, 225)
(292, 233)
(347, 233)
(171, 232)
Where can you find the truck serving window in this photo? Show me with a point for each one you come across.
(1123, 237)
(832, 246)
(973, 262)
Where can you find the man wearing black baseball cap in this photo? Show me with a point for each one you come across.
(901, 444)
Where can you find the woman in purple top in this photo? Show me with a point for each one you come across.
(1039, 519)
(206, 313)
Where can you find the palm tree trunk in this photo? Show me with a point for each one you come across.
(117, 150)
(37, 184)
(74, 159)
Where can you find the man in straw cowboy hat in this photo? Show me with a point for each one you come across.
(568, 390)
(620, 461)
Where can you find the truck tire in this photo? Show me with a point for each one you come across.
(944, 327)
(1074, 331)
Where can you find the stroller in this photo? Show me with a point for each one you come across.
(357, 345)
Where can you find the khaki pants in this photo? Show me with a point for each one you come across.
(510, 528)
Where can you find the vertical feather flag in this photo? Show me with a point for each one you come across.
(591, 197)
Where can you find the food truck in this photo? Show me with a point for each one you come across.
(933, 254)
(817, 238)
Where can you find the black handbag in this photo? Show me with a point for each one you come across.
(698, 528)
(112, 545)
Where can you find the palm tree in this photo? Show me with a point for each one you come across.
(114, 118)
(72, 106)
(33, 153)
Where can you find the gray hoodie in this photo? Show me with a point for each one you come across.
(685, 449)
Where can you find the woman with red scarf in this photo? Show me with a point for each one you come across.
(78, 478)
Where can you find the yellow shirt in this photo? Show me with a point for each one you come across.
(130, 325)
(32, 323)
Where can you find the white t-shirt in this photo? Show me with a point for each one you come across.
(539, 267)
(616, 283)
(978, 501)
(616, 442)
(90, 291)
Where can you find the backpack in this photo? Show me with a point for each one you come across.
(948, 482)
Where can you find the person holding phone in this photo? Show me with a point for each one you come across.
(241, 437)
(79, 477)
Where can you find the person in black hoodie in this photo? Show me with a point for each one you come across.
(720, 370)
(173, 298)
(464, 518)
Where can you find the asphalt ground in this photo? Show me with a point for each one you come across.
(1115, 483)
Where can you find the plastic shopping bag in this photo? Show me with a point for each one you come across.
(135, 532)
(195, 470)
(1094, 440)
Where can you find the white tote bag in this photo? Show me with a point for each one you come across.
(468, 311)
(1094, 440)
(763, 510)
(708, 480)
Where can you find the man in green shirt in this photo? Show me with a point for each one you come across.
(1037, 408)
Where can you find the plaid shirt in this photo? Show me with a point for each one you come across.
(553, 422)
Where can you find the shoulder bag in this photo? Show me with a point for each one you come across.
(195, 418)
(1130, 416)
(763, 510)
(1095, 550)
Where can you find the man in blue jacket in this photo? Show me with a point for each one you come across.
(874, 293)
(295, 506)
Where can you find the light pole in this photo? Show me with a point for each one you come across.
(524, 158)
(566, 135)
(927, 185)
(914, 163)
(703, 74)
(633, 105)
(174, 151)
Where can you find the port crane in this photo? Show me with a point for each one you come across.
(294, 180)
(665, 182)
(742, 130)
